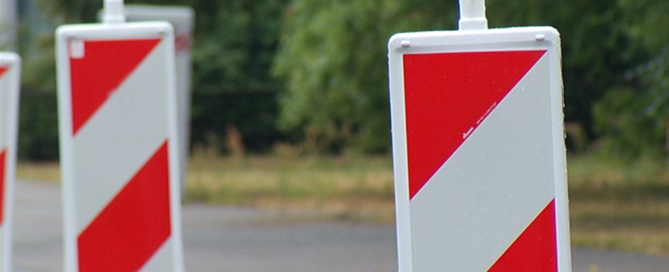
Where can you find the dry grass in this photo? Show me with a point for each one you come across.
(42, 171)
(622, 206)
(345, 187)
(613, 205)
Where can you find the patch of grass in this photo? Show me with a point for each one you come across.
(358, 188)
(618, 205)
(41, 171)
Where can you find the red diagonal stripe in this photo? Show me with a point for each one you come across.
(3, 161)
(535, 249)
(3, 69)
(134, 225)
(447, 96)
(105, 65)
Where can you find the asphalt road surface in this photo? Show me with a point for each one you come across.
(248, 240)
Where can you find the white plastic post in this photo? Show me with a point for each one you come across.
(10, 69)
(472, 15)
(113, 12)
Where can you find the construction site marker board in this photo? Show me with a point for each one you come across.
(119, 147)
(10, 81)
(478, 147)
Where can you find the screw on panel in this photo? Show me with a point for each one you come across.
(405, 44)
(540, 37)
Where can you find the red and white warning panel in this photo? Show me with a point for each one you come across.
(119, 147)
(183, 20)
(10, 78)
(479, 156)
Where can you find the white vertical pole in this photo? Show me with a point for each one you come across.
(113, 12)
(472, 15)
(8, 25)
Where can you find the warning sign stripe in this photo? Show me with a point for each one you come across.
(94, 81)
(134, 225)
(446, 101)
(535, 249)
(125, 223)
(3, 70)
(130, 122)
(492, 187)
(119, 147)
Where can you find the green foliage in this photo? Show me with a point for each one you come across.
(234, 47)
(328, 60)
(38, 126)
(333, 58)
(622, 117)
(597, 51)
(38, 117)
(645, 22)
(654, 76)
(636, 121)
(75, 11)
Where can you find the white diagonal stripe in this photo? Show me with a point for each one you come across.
(162, 260)
(120, 137)
(492, 187)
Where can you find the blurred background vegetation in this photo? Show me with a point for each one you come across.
(310, 76)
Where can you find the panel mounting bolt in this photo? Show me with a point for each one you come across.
(540, 37)
(405, 44)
